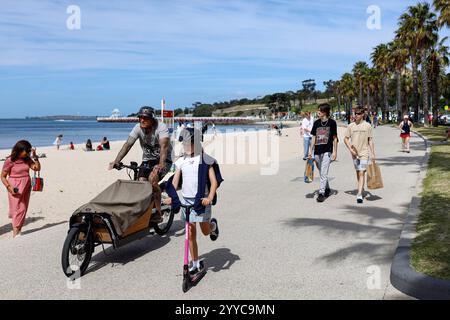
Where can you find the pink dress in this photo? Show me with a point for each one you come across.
(19, 177)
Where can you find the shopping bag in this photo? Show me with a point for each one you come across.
(374, 179)
(309, 171)
(37, 182)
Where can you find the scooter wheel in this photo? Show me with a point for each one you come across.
(185, 285)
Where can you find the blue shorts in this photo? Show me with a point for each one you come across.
(360, 164)
(194, 216)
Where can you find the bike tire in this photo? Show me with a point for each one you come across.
(161, 228)
(72, 236)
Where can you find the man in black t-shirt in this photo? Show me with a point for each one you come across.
(324, 141)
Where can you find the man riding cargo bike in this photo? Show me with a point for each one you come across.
(157, 152)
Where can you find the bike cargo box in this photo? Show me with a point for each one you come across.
(124, 201)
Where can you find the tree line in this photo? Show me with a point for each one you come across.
(395, 79)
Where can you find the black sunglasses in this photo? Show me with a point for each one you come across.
(359, 113)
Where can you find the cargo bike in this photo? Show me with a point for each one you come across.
(118, 216)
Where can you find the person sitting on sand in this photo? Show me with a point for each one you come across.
(71, 146)
(89, 145)
(105, 144)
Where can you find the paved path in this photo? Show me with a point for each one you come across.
(276, 242)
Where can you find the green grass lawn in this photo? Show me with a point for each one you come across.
(431, 248)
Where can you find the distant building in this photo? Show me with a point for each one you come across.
(115, 114)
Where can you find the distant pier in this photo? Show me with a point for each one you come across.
(216, 120)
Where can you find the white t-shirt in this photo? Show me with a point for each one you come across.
(189, 172)
(307, 124)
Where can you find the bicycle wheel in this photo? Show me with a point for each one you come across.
(77, 252)
(164, 226)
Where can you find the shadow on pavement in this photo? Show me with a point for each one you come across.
(399, 160)
(132, 251)
(219, 259)
(8, 227)
(374, 229)
(48, 225)
(369, 196)
(316, 193)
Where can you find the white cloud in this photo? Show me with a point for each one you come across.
(168, 35)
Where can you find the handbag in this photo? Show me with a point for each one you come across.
(37, 182)
(309, 171)
(374, 179)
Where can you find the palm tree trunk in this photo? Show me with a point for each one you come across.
(368, 97)
(339, 105)
(435, 95)
(398, 76)
(423, 62)
(360, 93)
(415, 76)
(385, 98)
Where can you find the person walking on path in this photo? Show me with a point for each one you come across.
(359, 139)
(16, 178)
(305, 130)
(405, 127)
(58, 141)
(324, 141)
(200, 177)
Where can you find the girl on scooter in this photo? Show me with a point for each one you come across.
(200, 178)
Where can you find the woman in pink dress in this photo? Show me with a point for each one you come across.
(16, 179)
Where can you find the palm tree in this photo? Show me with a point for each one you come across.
(373, 85)
(408, 37)
(407, 88)
(348, 91)
(380, 59)
(443, 6)
(338, 92)
(438, 61)
(398, 57)
(423, 27)
(358, 71)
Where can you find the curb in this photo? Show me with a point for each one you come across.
(403, 276)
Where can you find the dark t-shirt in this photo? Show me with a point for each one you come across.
(324, 133)
(106, 145)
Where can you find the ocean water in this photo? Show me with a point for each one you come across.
(42, 133)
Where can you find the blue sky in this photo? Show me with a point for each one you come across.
(133, 53)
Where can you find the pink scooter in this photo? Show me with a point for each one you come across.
(188, 280)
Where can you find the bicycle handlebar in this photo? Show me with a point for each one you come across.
(121, 166)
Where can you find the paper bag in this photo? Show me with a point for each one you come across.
(309, 171)
(374, 179)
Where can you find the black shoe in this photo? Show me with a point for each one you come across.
(305, 159)
(327, 192)
(359, 199)
(214, 234)
(320, 198)
(200, 268)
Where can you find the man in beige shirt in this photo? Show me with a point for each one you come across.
(359, 140)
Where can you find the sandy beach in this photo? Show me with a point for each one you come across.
(73, 177)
